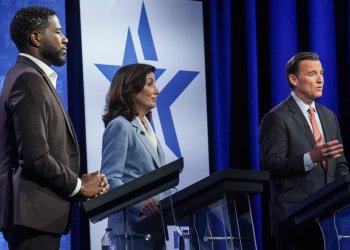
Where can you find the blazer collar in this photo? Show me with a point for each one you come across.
(26, 60)
(147, 143)
(300, 119)
(321, 115)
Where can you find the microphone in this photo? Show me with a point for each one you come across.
(142, 133)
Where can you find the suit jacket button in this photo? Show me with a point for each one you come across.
(73, 155)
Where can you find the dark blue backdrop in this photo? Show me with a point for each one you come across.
(248, 44)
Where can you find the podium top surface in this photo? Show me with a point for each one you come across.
(236, 182)
(323, 202)
(134, 191)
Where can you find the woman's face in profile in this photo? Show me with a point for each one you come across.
(146, 99)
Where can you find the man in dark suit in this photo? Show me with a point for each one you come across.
(39, 154)
(302, 155)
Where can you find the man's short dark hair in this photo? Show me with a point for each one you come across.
(27, 20)
(292, 66)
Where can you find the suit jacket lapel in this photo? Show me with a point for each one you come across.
(325, 126)
(69, 124)
(322, 120)
(48, 82)
(146, 143)
(161, 153)
(300, 119)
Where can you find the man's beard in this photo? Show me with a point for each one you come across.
(53, 55)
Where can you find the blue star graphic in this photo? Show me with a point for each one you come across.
(169, 93)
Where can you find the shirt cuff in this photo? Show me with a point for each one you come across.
(77, 188)
(308, 164)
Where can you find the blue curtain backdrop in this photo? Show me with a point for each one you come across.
(248, 45)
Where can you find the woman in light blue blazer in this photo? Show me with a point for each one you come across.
(130, 148)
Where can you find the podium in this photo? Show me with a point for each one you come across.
(135, 191)
(214, 213)
(330, 208)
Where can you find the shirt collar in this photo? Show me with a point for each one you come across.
(302, 105)
(50, 73)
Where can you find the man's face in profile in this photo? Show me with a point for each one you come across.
(53, 48)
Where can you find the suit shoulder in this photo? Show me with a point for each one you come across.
(119, 120)
(24, 68)
(279, 110)
(277, 117)
(322, 108)
(119, 128)
(118, 123)
(24, 76)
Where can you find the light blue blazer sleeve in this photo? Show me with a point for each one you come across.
(114, 152)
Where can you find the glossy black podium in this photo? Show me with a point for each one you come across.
(134, 191)
(330, 208)
(215, 212)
